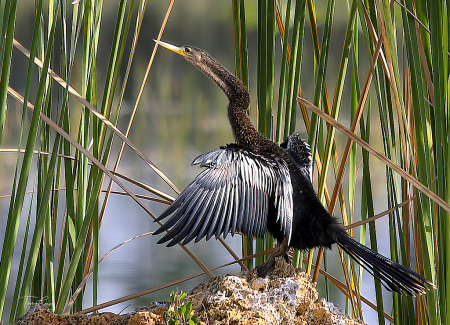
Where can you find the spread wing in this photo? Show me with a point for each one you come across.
(232, 194)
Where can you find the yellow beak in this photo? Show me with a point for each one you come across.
(171, 47)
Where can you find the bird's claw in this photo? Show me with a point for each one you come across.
(264, 268)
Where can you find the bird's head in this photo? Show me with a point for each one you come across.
(232, 86)
(194, 55)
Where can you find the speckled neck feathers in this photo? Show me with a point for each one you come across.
(245, 134)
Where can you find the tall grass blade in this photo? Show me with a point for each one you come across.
(299, 21)
(6, 67)
(283, 77)
(365, 131)
(20, 270)
(15, 211)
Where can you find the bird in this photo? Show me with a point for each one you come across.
(254, 186)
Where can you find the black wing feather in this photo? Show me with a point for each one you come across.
(181, 205)
(231, 195)
(215, 218)
(184, 225)
(207, 220)
(187, 209)
(228, 214)
(198, 219)
(176, 204)
(223, 213)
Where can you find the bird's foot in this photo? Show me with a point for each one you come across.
(264, 268)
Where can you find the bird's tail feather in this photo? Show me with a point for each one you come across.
(395, 277)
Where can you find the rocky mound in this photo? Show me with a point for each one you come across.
(285, 296)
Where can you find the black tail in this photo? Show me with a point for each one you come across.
(395, 277)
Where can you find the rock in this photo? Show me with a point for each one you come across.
(285, 296)
(41, 314)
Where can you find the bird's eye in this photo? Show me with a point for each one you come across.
(187, 50)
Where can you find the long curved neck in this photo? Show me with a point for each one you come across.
(244, 132)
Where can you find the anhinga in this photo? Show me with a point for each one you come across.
(254, 186)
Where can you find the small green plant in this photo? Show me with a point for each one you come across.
(179, 313)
